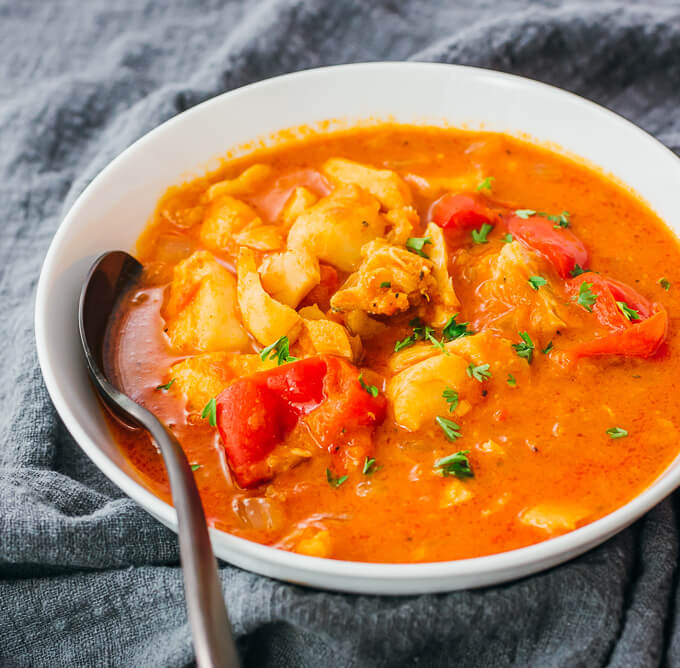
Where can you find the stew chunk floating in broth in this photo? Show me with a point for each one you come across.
(405, 344)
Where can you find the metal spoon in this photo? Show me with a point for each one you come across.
(111, 277)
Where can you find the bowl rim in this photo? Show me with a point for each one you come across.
(486, 569)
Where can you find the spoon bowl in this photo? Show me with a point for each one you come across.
(109, 282)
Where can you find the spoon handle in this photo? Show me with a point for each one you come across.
(210, 627)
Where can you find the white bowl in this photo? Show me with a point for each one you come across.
(115, 207)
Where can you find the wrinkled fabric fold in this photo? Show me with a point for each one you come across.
(88, 578)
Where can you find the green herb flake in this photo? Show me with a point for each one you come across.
(278, 351)
(486, 183)
(449, 427)
(628, 312)
(333, 481)
(525, 213)
(617, 432)
(548, 348)
(507, 238)
(525, 349)
(665, 284)
(454, 330)
(210, 412)
(429, 336)
(386, 284)
(561, 220)
(371, 389)
(416, 244)
(586, 298)
(479, 373)
(451, 399)
(167, 386)
(537, 281)
(511, 380)
(480, 236)
(422, 332)
(369, 466)
(195, 467)
(404, 343)
(577, 271)
(456, 465)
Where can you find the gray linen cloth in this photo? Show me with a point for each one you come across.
(87, 578)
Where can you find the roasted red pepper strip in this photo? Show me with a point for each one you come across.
(625, 293)
(640, 340)
(255, 413)
(453, 212)
(560, 247)
(636, 338)
(251, 420)
(347, 405)
(609, 292)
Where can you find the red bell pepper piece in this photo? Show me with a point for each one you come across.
(642, 339)
(610, 291)
(300, 384)
(625, 293)
(255, 413)
(251, 420)
(347, 405)
(460, 212)
(560, 247)
(635, 338)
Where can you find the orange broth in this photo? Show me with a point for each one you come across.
(551, 431)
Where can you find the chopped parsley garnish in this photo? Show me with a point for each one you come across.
(454, 330)
(210, 412)
(167, 386)
(560, 220)
(525, 349)
(479, 236)
(508, 238)
(628, 312)
(278, 351)
(479, 373)
(486, 183)
(404, 343)
(617, 432)
(449, 427)
(548, 348)
(333, 481)
(371, 389)
(369, 466)
(386, 284)
(195, 467)
(435, 342)
(456, 465)
(536, 281)
(451, 399)
(416, 244)
(585, 297)
(511, 380)
(665, 284)
(577, 271)
(422, 332)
